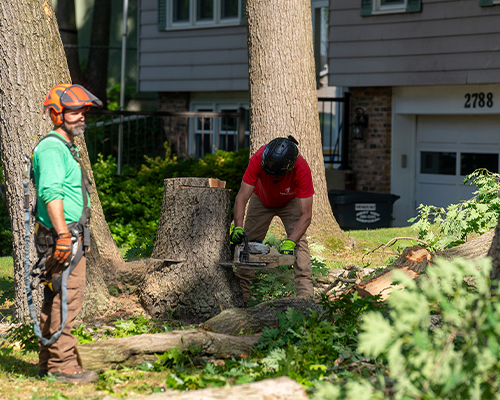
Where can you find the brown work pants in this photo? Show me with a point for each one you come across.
(61, 354)
(257, 223)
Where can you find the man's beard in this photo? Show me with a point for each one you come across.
(78, 129)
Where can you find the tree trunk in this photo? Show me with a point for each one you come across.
(97, 71)
(33, 62)
(136, 350)
(282, 388)
(66, 16)
(494, 253)
(193, 228)
(283, 97)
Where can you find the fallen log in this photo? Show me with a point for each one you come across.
(235, 321)
(471, 250)
(412, 262)
(282, 388)
(136, 350)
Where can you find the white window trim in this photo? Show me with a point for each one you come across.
(193, 24)
(378, 8)
(217, 106)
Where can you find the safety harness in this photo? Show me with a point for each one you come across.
(45, 239)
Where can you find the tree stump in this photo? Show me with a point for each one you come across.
(193, 228)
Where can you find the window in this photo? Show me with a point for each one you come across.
(211, 134)
(376, 7)
(487, 3)
(383, 6)
(189, 14)
(320, 39)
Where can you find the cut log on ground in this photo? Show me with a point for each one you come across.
(136, 350)
(193, 228)
(270, 389)
(471, 250)
(255, 319)
(412, 262)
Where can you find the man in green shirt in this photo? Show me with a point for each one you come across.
(62, 216)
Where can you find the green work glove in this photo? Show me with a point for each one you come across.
(288, 248)
(237, 235)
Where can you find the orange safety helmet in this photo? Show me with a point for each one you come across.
(72, 97)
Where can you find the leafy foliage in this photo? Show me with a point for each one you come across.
(456, 221)
(457, 360)
(307, 349)
(132, 202)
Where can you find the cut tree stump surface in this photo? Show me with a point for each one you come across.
(282, 388)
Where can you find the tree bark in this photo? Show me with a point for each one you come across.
(237, 320)
(411, 262)
(282, 388)
(472, 249)
(136, 350)
(193, 228)
(283, 97)
(494, 253)
(33, 61)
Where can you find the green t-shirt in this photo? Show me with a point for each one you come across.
(57, 176)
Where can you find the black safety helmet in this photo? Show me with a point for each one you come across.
(279, 156)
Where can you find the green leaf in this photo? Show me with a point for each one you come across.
(376, 334)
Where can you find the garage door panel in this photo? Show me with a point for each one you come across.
(448, 147)
(427, 194)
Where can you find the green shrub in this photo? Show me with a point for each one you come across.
(457, 360)
(132, 202)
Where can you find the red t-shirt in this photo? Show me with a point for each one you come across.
(277, 192)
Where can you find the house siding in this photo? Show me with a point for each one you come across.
(189, 60)
(449, 42)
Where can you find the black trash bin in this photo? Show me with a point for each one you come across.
(361, 210)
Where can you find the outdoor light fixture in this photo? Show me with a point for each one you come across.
(359, 124)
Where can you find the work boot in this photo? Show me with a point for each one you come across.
(76, 374)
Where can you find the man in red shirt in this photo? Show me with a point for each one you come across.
(277, 182)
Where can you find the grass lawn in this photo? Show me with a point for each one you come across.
(18, 371)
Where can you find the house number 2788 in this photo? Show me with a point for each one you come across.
(474, 100)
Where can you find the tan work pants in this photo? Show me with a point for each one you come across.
(257, 223)
(61, 354)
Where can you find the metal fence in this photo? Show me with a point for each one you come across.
(129, 136)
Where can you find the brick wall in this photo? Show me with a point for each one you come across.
(370, 158)
(176, 128)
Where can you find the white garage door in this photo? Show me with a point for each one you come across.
(450, 147)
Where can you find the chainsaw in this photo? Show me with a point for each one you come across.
(255, 255)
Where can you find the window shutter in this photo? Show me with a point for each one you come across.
(414, 6)
(485, 3)
(162, 15)
(366, 8)
(243, 16)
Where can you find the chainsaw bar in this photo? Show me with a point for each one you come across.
(244, 266)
